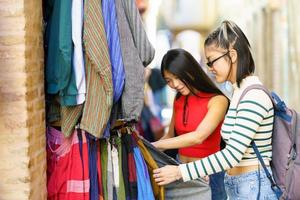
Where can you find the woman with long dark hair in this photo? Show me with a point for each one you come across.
(198, 112)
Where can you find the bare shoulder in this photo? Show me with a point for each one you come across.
(218, 100)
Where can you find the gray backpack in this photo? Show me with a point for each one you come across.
(285, 163)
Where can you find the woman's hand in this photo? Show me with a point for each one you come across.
(206, 178)
(167, 174)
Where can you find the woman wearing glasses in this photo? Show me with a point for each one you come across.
(229, 57)
(199, 110)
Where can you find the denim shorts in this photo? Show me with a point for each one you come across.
(246, 186)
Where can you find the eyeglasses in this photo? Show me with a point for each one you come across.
(210, 64)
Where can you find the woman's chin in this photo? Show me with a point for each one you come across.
(220, 79)
(184, 93)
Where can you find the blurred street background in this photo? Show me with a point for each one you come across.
(272, 27)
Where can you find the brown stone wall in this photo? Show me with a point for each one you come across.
(22, 107)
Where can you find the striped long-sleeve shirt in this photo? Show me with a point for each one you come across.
(251, 120)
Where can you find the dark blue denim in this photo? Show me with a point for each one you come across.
(216, 183)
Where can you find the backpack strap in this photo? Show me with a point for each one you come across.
(274, 186)
(294, 135)
(262, 163)
(279, 105)
(260, 87)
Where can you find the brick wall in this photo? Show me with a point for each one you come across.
(22, 109)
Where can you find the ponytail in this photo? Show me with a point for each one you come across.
(229, 36)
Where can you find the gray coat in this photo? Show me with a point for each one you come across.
(137, 52)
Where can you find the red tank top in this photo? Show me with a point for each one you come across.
(196, 109)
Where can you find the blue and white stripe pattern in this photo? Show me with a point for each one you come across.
(113, 41)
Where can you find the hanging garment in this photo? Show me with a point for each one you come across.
(69, 118)
(104, 161)
(93, 171)
(67, 166)
(121, 190)
(110, 178)
(60, 77)
(144, 47)
(132, 174)
(133, 93)
(99, 95)
(98, 104)
(178, 190)
(125, 169)
(99, 171)
(143, 180)
(114, 46)
(78, 61)
(52, 108)
(159, 191)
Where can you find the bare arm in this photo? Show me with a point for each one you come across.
(217, 107)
